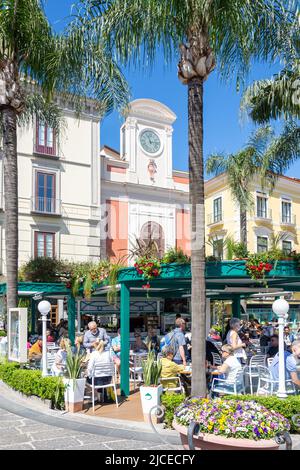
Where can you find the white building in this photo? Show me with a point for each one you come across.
(65, 187)
(59, 189)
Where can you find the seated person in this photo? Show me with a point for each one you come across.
(291, 361)
(230, 362)
(264, 337)
(152, 341)
(139, 345)
(35, 352)
(273, 348)
(50, 337)
(116, 347)
(61, 357)
(213, 335)
(170, 368)
(99, 357)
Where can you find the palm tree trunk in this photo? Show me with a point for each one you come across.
(243, 227)
(9, 121)
(195, 117)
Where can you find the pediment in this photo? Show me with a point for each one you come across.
(151, 110)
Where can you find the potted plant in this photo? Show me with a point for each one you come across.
(151, 390)
(229, 424)
(73, 381)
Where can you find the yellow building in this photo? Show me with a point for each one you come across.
(276, 212)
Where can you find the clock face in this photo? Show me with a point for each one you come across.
(150, 141)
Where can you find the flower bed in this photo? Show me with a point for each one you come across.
(232, 418)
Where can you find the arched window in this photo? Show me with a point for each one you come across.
(154, 231)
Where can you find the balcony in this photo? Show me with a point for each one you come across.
(264, 216)
(215, 219)
(45, 150)
(46, 206)
(288, 220)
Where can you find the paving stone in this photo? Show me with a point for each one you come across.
(128, 444)
(92, 438)
(49, 434)
(17, 447)
(56, 444)
(94, 446)
(9, 424)
(9, 437)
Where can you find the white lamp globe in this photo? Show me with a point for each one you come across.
(44, 307)
(280, 308)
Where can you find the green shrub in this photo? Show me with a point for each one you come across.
(171, 401)
(287, 407)
(31, 382)
(3, 333)
(41, 270)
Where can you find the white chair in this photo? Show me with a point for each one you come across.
(267, 386)
(107, 370)
(217, 361)
(252, 371)
(177, 388)
(232, 385)
(269, 361)
(136, 368)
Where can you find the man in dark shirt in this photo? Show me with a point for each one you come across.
(273, 349)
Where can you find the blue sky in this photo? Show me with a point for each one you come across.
(225, 130)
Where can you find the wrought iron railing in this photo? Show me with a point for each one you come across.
(46, 205)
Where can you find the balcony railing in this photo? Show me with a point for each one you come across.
(264, 214)
(216, 218)
(45, 205)
(45, 150)
(288, 219)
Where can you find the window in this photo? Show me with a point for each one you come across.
(45, 193)
(218, 209)
(261, 207)
(286, 212)
(262, 244)
(44, 244)
(45, 139)
(287, 247)
(218, 246)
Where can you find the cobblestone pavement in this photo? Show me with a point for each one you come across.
(18, 433)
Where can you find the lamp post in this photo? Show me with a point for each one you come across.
(44, 308)
(280, 308)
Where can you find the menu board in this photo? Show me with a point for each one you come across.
(17, 335)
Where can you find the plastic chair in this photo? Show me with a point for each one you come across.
(253, 372)
(178, 388)
(269, 361)
(232, 385)
(136, 368)
(267, 386)
(107, 370)
(217, 361)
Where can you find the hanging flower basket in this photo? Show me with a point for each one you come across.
(149, 268)
(258, 266)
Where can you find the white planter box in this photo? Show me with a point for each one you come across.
(74, 394)
(150, 397)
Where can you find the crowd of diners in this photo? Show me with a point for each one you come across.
(175, 349)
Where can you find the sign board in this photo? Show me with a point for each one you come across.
(17, 335)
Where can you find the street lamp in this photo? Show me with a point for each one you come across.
(280, 308)
(44, 308)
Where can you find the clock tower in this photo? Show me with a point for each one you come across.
(146, 143)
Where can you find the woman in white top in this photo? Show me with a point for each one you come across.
(231, 364)
(60, 357)
(100, 357)
(235, 341)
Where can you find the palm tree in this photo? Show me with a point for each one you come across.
(30, 51)
(279, 98)
(229, 31)
(240, 168)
